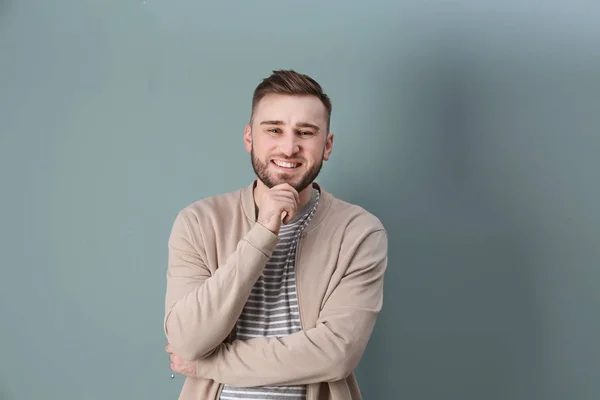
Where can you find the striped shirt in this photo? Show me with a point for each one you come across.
(272, 308)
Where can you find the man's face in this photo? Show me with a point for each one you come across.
(288, 140)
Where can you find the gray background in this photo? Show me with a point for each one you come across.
(472, 129)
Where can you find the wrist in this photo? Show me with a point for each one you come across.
(263, 238)
(274, 229)
(270, 223)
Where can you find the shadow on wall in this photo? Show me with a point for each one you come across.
(459, 316)
(3, 395)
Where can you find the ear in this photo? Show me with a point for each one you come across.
(328, 146)
(248, 138)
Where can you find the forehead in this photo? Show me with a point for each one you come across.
(291, 109)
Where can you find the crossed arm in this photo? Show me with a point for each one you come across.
(328, 352)
(202, 307)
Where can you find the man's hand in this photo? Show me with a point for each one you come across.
(278, 204)
(181, 366)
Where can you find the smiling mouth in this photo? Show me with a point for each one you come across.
(286, 164)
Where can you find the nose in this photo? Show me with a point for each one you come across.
(288, 145)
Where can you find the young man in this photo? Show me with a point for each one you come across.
(273, 290)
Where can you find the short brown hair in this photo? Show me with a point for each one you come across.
(292, 83)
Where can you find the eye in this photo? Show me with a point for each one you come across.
(305, 133)
(274, 130)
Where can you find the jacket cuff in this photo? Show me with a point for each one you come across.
(262, 239)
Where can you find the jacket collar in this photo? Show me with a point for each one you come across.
(249, 207)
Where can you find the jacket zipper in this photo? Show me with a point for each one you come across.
(308, 387)
(298, 281)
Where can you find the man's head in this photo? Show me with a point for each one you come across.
(288, 134)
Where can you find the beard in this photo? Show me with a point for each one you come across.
(270, 179)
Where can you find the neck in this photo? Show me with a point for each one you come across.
(305, 195)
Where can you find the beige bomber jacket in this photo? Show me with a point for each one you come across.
(216, 253)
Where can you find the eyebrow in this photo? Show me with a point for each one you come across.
(299, 125)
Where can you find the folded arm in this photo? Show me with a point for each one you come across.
(201, 308)
(328, 352)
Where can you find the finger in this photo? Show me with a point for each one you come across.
(287, 188)
(296, 195)
(288, 205)
(290, 213)
(288, 199)
(177, 359)
(286, 219)
(286, 193)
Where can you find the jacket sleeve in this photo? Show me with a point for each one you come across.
(330, 351)
(201, 308)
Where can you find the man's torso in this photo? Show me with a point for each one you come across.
(324, 250)
(272, 308)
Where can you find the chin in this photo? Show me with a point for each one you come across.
(276, 180)
(292, 182)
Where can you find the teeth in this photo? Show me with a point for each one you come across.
(286, 164)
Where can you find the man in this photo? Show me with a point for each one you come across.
(273, 290)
